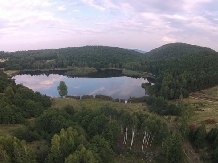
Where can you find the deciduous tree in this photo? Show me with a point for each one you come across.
(62, 89)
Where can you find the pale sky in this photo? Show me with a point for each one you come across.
(132, 24)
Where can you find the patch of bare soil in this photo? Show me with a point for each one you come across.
(203, 96)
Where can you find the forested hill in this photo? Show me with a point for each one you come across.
(180, 76)
(175, 50)
(87, 56)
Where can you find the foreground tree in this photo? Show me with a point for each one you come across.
(62, 89)
(13, 150)
(62, 145)
(172, 149)
(82, 155)
(200, 135)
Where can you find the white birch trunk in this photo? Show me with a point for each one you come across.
(143, 141)
(133, 135)
(126, 133)
(124, 139)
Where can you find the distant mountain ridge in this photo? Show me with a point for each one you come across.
(140, 51)
(175, 50)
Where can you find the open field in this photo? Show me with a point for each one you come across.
(206, 107)
(204, 111)
(212, 91)
(96, 104)
(76, 71)
(136, 73)
(11, 72)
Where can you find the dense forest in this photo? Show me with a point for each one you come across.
(87, 56)
(103, 134)
(17, 102)
(182, 75)
(175, 50)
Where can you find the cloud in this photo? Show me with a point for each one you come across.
(25, 4)
(97, 91)
(37, 83)
(94, 4)
(61, 8)
(24, 14)
(76, 10)
(108, 22)
(168, 39)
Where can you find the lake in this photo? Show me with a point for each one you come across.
(121, 87)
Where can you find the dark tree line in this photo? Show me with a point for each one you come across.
(18, 102)
(161, 106)
(88, 56)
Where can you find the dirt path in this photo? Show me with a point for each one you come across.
(202, 96)
(191, 155)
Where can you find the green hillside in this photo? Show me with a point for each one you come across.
(180, 76)
(175, 50)
(87, 56)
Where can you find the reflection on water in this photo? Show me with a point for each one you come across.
(116, 87)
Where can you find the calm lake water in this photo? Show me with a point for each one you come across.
(117, 87)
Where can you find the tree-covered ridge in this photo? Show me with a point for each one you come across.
(87, 56)
(18, 102)
(180, 76)
(175, 50)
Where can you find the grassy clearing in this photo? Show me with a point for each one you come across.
(204, 109)
(209, 111)
(130, 73)
(76, 71)
(136, 73)
(96, 104)
(12, 72)
(8, 129)
(212, 91)
(38, 145)
(61, 102)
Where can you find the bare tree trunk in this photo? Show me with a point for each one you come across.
(133, 135)
(124, 139)
(143, 141)
(126, 133)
